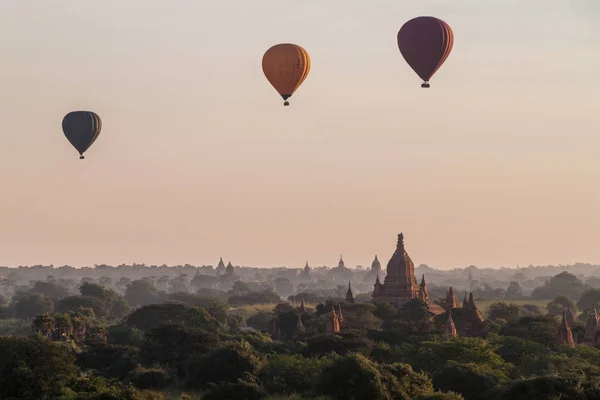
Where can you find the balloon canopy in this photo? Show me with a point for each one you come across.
(286, 66)
(82, 129)
(425, 43)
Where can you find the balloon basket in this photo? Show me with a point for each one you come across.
(287, 103)
(425, 85)
(81, 157)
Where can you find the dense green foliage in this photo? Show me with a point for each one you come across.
(136, 340)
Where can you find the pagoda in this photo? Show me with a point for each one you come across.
(400, 284)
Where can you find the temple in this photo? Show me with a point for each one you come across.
(564, 335)
(472, 321)
(449, 327)
(400, 284)
(349, 295)
(450, 300)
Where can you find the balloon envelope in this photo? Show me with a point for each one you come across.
(82, 129)
(286, 66)
(425, 43)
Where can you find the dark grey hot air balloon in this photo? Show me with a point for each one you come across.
(82, 128)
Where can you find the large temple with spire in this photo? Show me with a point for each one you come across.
(400, 284)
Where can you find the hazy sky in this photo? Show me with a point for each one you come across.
(496, 165)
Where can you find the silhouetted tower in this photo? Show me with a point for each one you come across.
(340, 316)
(332, 325)
(299, 325)
(423, 295)
(564, 336)
(349, 296)
(472, 320)
(376, 266)
(591, 327)
(229, 270)
(376, 287)
(449, 327)
(450, 300)
(305, 274)
(220, 267)
(341, 263)
(302, 306)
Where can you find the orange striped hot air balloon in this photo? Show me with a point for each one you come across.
(286, 66)
(425, 43)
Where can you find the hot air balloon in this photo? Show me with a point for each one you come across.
(286, 66)
(82, 129)
(425, 43)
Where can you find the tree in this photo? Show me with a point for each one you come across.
(472, 380)
(33, 368)
(356, 377)
(431, 356)
(589, 299)
(287, 374)
(227, 364)
(97, 291)
(416, 313)
(514, 291)
(246, 388)
(49, 289)
(180, 284)
(240, 287)
(27, 306)
(141, 293)
(353, 378)
(110, 361)
(155, 315)
(541, 329)
(563, 284)
(173, 345)
(508, 312)
(74, 303)
(545, 387)
(560, 304)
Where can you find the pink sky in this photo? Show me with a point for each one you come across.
(496, 165)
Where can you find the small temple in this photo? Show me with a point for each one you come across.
(472, 321)
(449, 327)
(349, 295)
(332, 325)
(220, 267)
(450, 300)
(564, 336)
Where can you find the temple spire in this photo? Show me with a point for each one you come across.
(332, 325)
(450, 300)
(302, 306)
(449, 327)
(400, 244)
(349, 296)
(423, 294)
(299, 325)
(564, 335)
